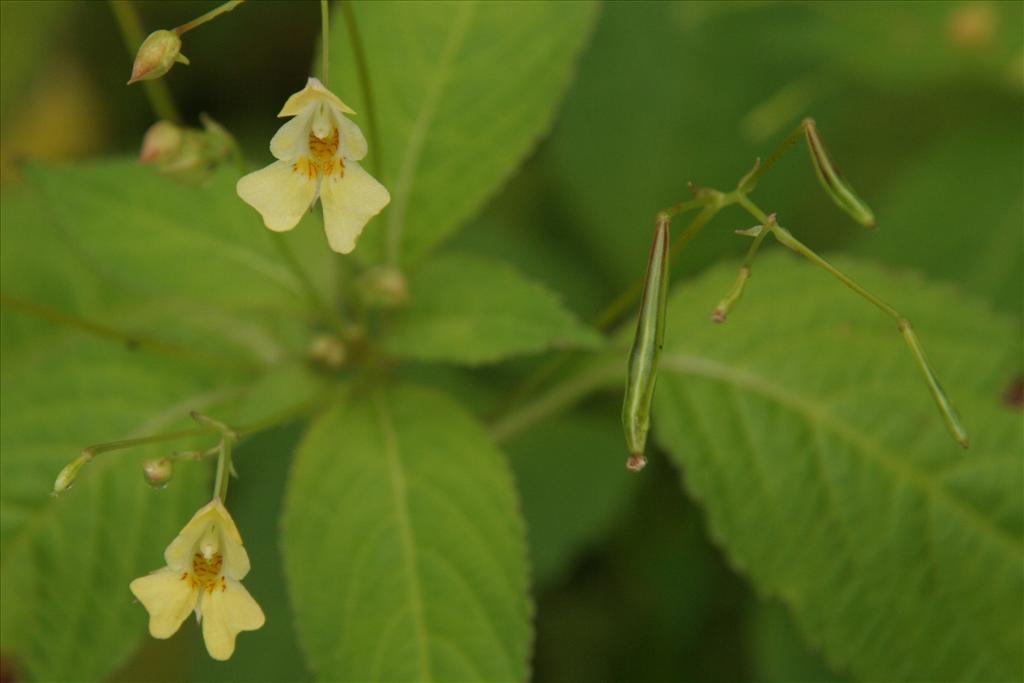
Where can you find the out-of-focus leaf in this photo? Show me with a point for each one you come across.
(957, 212)
(404, 550)
(36, 265)
(29, 38)
(780, 654)
(473, 87)
(152, 237)
(915, 45)
(470, 309)
(656, 587)
(573, 485)
(67, 561)
(658, 103)
(806, 431)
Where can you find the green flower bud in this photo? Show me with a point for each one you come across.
(188, 154)
(68, 475)
(328, 351)
(383, 287)
(157, 54)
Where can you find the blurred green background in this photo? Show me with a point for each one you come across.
(920, 104)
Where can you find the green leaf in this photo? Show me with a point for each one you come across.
(780, 654)
(403, 543)
(67, 561)
(149, 236)
(471, 309)
(827, 473)
(462, 91)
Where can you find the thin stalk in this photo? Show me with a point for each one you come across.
(946, 408)
(229, 436)
(750, 180)
(223, 478)
(157, 92)
(331, 315)
(130, 340)
(721, 311)
(212, 14)
(325, 43)
(556, 399)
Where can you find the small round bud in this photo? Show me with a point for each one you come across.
(157, 54)
(187, 154)
(161, 143)
(384, 287)
(328, 351)
(158, 471)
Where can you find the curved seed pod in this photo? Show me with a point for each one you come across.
(643, 358)
(836, 187)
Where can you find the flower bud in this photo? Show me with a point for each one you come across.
(157, 54)
(384, 287)
(158, 471)
(68, 475)
(189, 154)
(328, 351)
(162, 141)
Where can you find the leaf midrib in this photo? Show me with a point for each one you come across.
(399, 490)
(418, 136)
(867, 447)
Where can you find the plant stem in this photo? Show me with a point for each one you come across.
(558, 398)
(331, 315)
(362, 71)
(750, 181)
(223, 478)
(228, 438)
(157, 92)
(130, 340)
(212, 14)
(325, 32)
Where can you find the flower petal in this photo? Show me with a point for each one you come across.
(179, 553)
(313, 92)
(353, 144)
(226, 611)
(349, 203)
(236, 559)
(167, 597)
(292, 139)
(279, 193)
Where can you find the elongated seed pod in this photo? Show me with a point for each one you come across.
(643, 357)
(836, 187)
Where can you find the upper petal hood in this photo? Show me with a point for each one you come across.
(313, 93)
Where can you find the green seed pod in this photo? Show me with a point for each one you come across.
(836, 187)
(643, 358)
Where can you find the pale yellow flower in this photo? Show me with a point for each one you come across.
(317, 153)
(205, 565)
